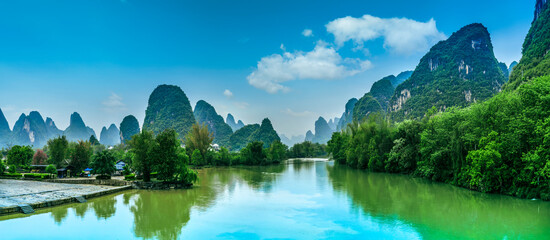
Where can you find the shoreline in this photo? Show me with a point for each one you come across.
(63, 195)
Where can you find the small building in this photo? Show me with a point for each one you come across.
(119, 167)
(66, 172)
(215, 147)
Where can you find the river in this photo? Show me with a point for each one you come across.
(299, 199)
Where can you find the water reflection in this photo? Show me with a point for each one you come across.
(59, 214)
(439, 210)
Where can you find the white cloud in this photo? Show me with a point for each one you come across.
(322, 63)
(113, 103)
(307, 32)
(401, 35)
(228, 93)
(288, 111)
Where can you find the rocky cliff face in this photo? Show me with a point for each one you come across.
(109, 136)
(309, 136)
(53, 131)
(347, 116)
(230, 120)
(5, 132)
(169, 107)
(77, 130)
(540, 6)
(455, 72)
(128, 128)
(206, 114)
(323, 133)
(30, 130)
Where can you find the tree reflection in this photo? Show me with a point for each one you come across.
(59, 214)
(104, 208)
(437, 209)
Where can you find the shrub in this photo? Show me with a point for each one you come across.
(37, 175)
(13, 175)
(130, 177)
(12, 169)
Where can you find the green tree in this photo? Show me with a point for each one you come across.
(253, 154)
(199, 138)
(166, 156)
(51, 169)
(57, 150)
(276, 152)
(142, 145)
(103, 163)
(93, 140)
(80, 154)
(20, 155)
(196, 158)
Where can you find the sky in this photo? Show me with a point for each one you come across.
(289, 60)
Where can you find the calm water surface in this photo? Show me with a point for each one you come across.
(296, 200)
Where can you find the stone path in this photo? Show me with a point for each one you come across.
(17, 192)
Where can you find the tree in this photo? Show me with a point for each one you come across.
(276, 152)
(57, 150)
(166, 157)
(20, 155)
(103, 163)
(253, 154)
(142, 145)
(93, 140)
(199, 139)
(196, 158)
(39, 157)
(51, 169)
(80, 154)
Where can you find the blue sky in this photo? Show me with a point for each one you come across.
(103, 58)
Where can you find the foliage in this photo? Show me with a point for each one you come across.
(307, 150)
(169, 108)
(12, 168)
(498, 146)
(103, 163)
(57, 150)
(130, 177)
(2, 167)
(206, 114)
(199, 138)
(535, 61)
(456, 72)
(142, 145)
(197, 159)
(167, 155)
(276, 152)
(13, 175)
(93, 140)
(37, 175)
(253, 154)
(80, 154)
(39, 157)
(128, 128)
(20, 155)
(51, 169)
(382, 90)
(240, 138)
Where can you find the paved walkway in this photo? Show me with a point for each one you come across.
(15, 192)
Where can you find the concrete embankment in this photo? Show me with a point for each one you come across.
(17, 195)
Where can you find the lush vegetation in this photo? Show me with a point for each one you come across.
(206, 114)
(103, 164)
(499, 146)
(128, 128)
(456, 72)
(535, 61)
(169, 108)
(307, 150)
(254, 133)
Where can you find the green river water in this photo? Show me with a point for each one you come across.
(299, 199)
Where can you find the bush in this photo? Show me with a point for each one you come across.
(12, 169)
(37, 175)
(13, 175)
(130, 177)
(103, 177)
(154, 175)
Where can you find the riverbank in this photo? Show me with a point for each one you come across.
(39, 194)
